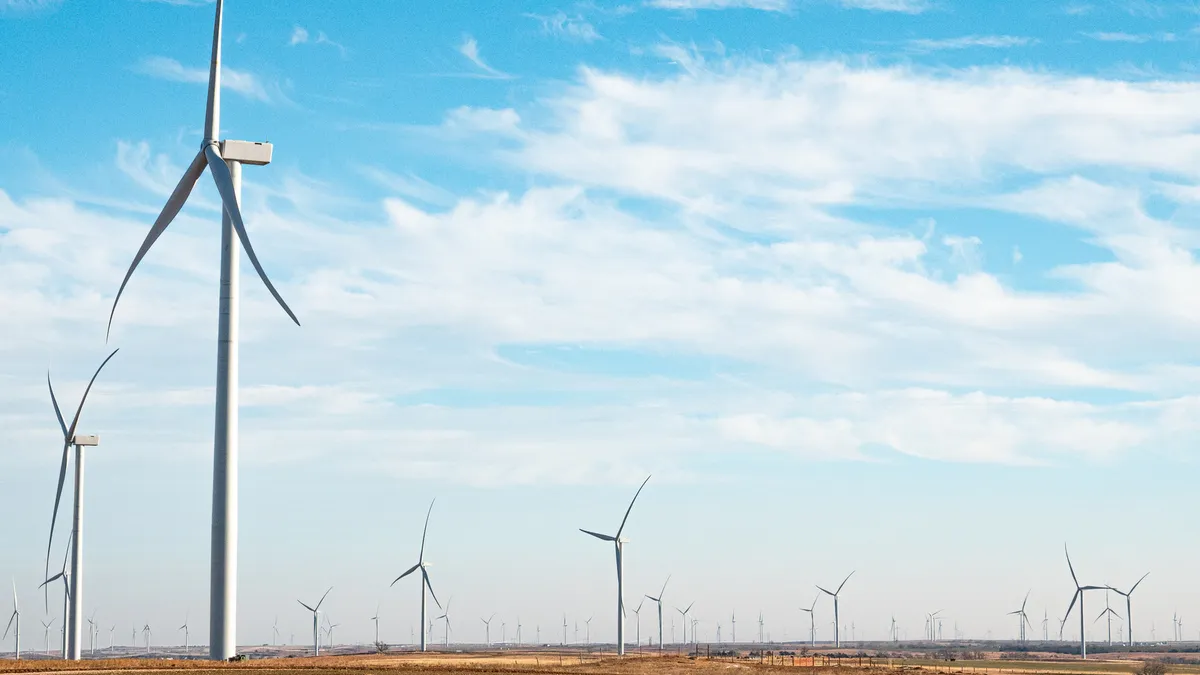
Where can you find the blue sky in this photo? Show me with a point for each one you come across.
(899, 286)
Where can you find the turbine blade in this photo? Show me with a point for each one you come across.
(410, 571)
(170, 210)
(664, 588)
(597, 535)
(1026, 600)
(635, 496)
(1072, 605)
(212, 113)
(1138, 582)
(323, 597)
(839, 590)
(421, 558)
(224, 181)
(825, 591)
(307, 607)
(425, 576)
(10, 623)
(1070, 566)
(57, 413)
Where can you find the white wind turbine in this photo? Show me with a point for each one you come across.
(837, 636)
(587, 630)
(186, 633)
(1022, 619)
(111, 632)
(683, 618)
(812, 620)
(446, 617)
(14, 617)
(74, 619)
(1129, 606)
(146, 632)
(92, 632)
(660, 606)
(1079, 590)
(376, 620)
(46, 635)
(65, 577)
(422, 565)
(487, 627)
(618, 545)
(316, 611)
(1108, 612)
(224, 160)
(637, 613)
(275, 632)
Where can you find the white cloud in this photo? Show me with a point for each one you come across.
(969, 42)
(23, 6)
(242, 82)
(902, 6)
(299, 36)
(470, 49)
(561, 25)
(768, 5)
(1136, 38)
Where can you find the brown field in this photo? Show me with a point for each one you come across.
(574, 663)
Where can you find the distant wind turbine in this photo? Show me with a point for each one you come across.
(660, 605)
(1129, 606)
(618, 546)
(14, 617)
(376, 620)
(1109, 613)
(46, 634)
(587, 630)
(1022, 619)
(812, 620)
(423, 566)
(837, 636)
(446, 617)
(146, 632)
(487, 627)
(316, 611)
(186, 634)
(637, 613)
(683, 614)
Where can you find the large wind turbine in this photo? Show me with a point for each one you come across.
(1129, 606)
(316, 611)
(1079, 596)
(422, 565)
(224, 160)
(14, 617)
(812, 621)
(660, 604)
(837, 626)
(618, 545)
(74, 622)
(1022, 619)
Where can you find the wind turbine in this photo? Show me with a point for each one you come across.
(1108, 612)
(518, 627)
(812, 621)
(186, 634)
(637, 613)
(659, 601)
(275, 632)
(1022, 619)
(564, 629)
(111, 632)
(733, 627)
(423, 566)
(46, 634)
(331, 626)
(837, 636)
(14, 617)
(933, 625)
(618, 545)
(587, 630)
(761, 639)
(146, 632)
(316, 610)
(74, 622)
(224, 160)
(487, 627)
(66, 595)
(446, 616)
(1079, 596)
(92, 632)
(376, 620)
(1129, 605)
(683, 618)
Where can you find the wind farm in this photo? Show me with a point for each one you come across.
(846, 277)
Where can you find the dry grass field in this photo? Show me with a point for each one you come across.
(572, 663)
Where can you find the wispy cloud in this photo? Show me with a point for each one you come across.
(470, 49)
(766, 5)
(300, 36)
(970, 42)
(240, 81)
(574, 28)
(1135, 38)
(902, 6)
(26, 6)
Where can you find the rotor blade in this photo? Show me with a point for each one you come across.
(62, 477)
(664, 588)
(1072, 605)
(597, 535)
(825, 591)
(1026, 599)
(421, 558)
(425, 576)
(51, 580)
(224, 181)
(16, 607)
(212, 113)
(307, 607)
(57, 413)
(1070, 566)
(653, 598)
(839, 590)
(170, 210)
(79, 410)
(689, 608)
(410, 571)
(635, 496)
(323, 597)
(1136, 585)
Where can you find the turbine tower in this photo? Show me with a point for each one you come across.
(837, 636)
(316, 611)
(423, 566)
(812, 621)
(1079, 596)
(14, 617)
(660, 604)
(1129, 606)
(74, 620)
(618, 545)
(224, 160)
